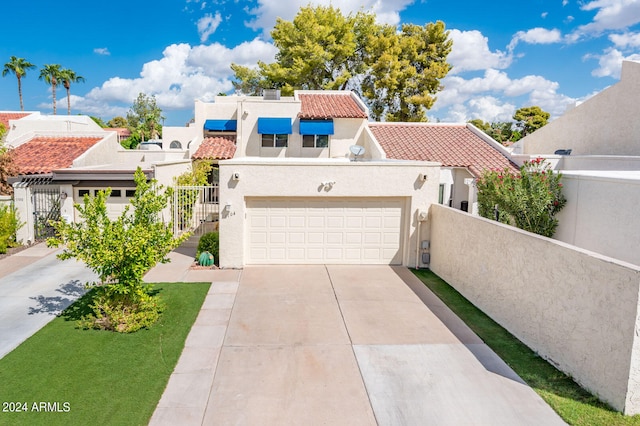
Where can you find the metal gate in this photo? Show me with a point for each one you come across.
(46, 209)
(194, 209)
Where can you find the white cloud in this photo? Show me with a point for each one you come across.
(610, 62)
(488, 97)
(471, 52)
(610, 15)
(565, 2)
(208, 25)
(183, 74)
(625, 40)
(535, 36)
(266, 12)
(102, 51)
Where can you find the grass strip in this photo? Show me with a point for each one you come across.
(97, 377)
(574, 404)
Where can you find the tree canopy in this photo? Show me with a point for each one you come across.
(144, 118)
(530, 119)
(52, 75)
(526, 120)
(18, 67)
(396, 72)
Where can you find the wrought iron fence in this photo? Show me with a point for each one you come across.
(194, 209)
(46, 209)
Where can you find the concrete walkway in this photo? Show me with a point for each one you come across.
(35, 286)
(338, 345)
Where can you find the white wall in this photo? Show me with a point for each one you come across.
(575, 308)
(23, 129)
(602, 213)
(606, 124)
(301, 178)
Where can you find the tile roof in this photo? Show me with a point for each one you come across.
(452, 145)
(43, 154)
(216, 148)
(6, 116)
(323, 106)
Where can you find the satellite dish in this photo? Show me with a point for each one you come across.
(356, 150)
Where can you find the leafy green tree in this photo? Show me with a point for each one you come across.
(120, 252)
(118, 121)
(187, 197)
(144, 118)
(530, 119)
(99, 121)
(18, 67)
(503, 132)
(9, 225)
(529, 199)
(69, 76)
(52, 75)
(406, 69)
(322, 49)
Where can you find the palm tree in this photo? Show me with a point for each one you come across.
(19, 67)
(51, 74)
(69, 76)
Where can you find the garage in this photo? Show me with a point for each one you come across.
(324, 230)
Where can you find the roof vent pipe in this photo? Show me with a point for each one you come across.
(271, 94)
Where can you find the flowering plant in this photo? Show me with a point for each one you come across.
(529, 199)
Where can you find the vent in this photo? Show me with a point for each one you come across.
(271, 94)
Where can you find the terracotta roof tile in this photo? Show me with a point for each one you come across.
(324, 106)
(6, 116)
(452, 145)
(216, 148)
(44, 154)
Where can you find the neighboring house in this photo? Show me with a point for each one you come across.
(464, 152)
(7, 116)
(601, 174)
(57, 168)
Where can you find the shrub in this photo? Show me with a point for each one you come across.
(9, 224)
(529, 199)
(209, 242)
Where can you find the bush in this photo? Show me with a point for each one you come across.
(9, 224)
(529, 199)
(209, 242)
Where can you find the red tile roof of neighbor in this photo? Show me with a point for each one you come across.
(324, 106)
(216, 148)
(43, 154)
(6, 116)
(452, 145)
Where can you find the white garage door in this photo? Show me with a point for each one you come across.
(304, 231)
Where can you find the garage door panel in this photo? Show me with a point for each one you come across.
(354, 231)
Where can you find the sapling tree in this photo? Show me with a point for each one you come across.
(120, 252)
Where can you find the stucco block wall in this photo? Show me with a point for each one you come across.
(601, 214)
(606, 124)
(302, 178)
(575, 308)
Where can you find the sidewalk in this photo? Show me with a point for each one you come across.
(35, 286)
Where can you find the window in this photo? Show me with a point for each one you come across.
(315, 141)
(441, 194)
(115, 193)
(274, 140)
(129, 193)
(83, 192)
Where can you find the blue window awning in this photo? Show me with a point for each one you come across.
(274, 126)
(316, 127)
(221, 125)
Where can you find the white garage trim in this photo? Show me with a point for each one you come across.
(350, 230)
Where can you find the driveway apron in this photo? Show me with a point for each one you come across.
(35, 286)
(341, 345)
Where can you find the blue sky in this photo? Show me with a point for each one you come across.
(507, 54)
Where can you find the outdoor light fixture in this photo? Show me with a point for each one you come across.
(63, 195)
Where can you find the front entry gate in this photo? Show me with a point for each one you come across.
(46, 209)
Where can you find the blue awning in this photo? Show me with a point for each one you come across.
(316, 127)
(221, 125)
(274, 126)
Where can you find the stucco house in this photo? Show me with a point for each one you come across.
(61, 158)
(601, 173)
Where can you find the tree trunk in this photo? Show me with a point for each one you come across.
(68, 102)
(20, 93)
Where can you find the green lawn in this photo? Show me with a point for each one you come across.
(98, 377)
(575, 405)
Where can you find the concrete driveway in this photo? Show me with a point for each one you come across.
(338, 345)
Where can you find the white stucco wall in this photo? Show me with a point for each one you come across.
(575, 308)
(301, 178)
(602, 213)
(606, 124)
